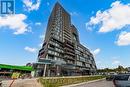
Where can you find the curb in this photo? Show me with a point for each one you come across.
(72, 85)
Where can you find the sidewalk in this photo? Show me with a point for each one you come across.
(22, 83)
(82, 83)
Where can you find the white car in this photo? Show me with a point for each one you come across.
(122, 80)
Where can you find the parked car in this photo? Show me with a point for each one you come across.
(122, 81)
(0, 83)
(110, 77)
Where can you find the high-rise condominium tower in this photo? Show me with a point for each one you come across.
(61, 53)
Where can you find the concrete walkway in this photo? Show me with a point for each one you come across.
(22, 83)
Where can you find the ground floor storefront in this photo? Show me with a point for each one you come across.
(62, 70)
(6, 71)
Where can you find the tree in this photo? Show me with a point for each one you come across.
(120, 69)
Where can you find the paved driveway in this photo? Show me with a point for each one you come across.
(102, 83)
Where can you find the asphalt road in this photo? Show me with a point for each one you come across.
(102, 83)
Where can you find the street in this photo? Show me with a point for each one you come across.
(102, 83)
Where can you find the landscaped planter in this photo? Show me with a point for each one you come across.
(61, 81)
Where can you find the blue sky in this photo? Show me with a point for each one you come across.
(103, 27)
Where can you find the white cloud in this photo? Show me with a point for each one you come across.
(30, 5)
(89, 28)
(123, 39)
(14, 22)
(115, 18)
(42, 36)
(29, 49)
(40, 45)
(96, 51)
(116, 62)
(38, 23)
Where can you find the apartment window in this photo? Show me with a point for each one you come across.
(89, 61)
(51, 46)
(55, 58)
(82, 59)
(79, 63)
(71, 62)
(57, 54)
(77, 57)
(77, 52)
(51, 52)
(91, 58)
(87, 65)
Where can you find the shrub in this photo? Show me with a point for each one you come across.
(61, 81)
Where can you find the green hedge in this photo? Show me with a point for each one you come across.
(61, 81)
